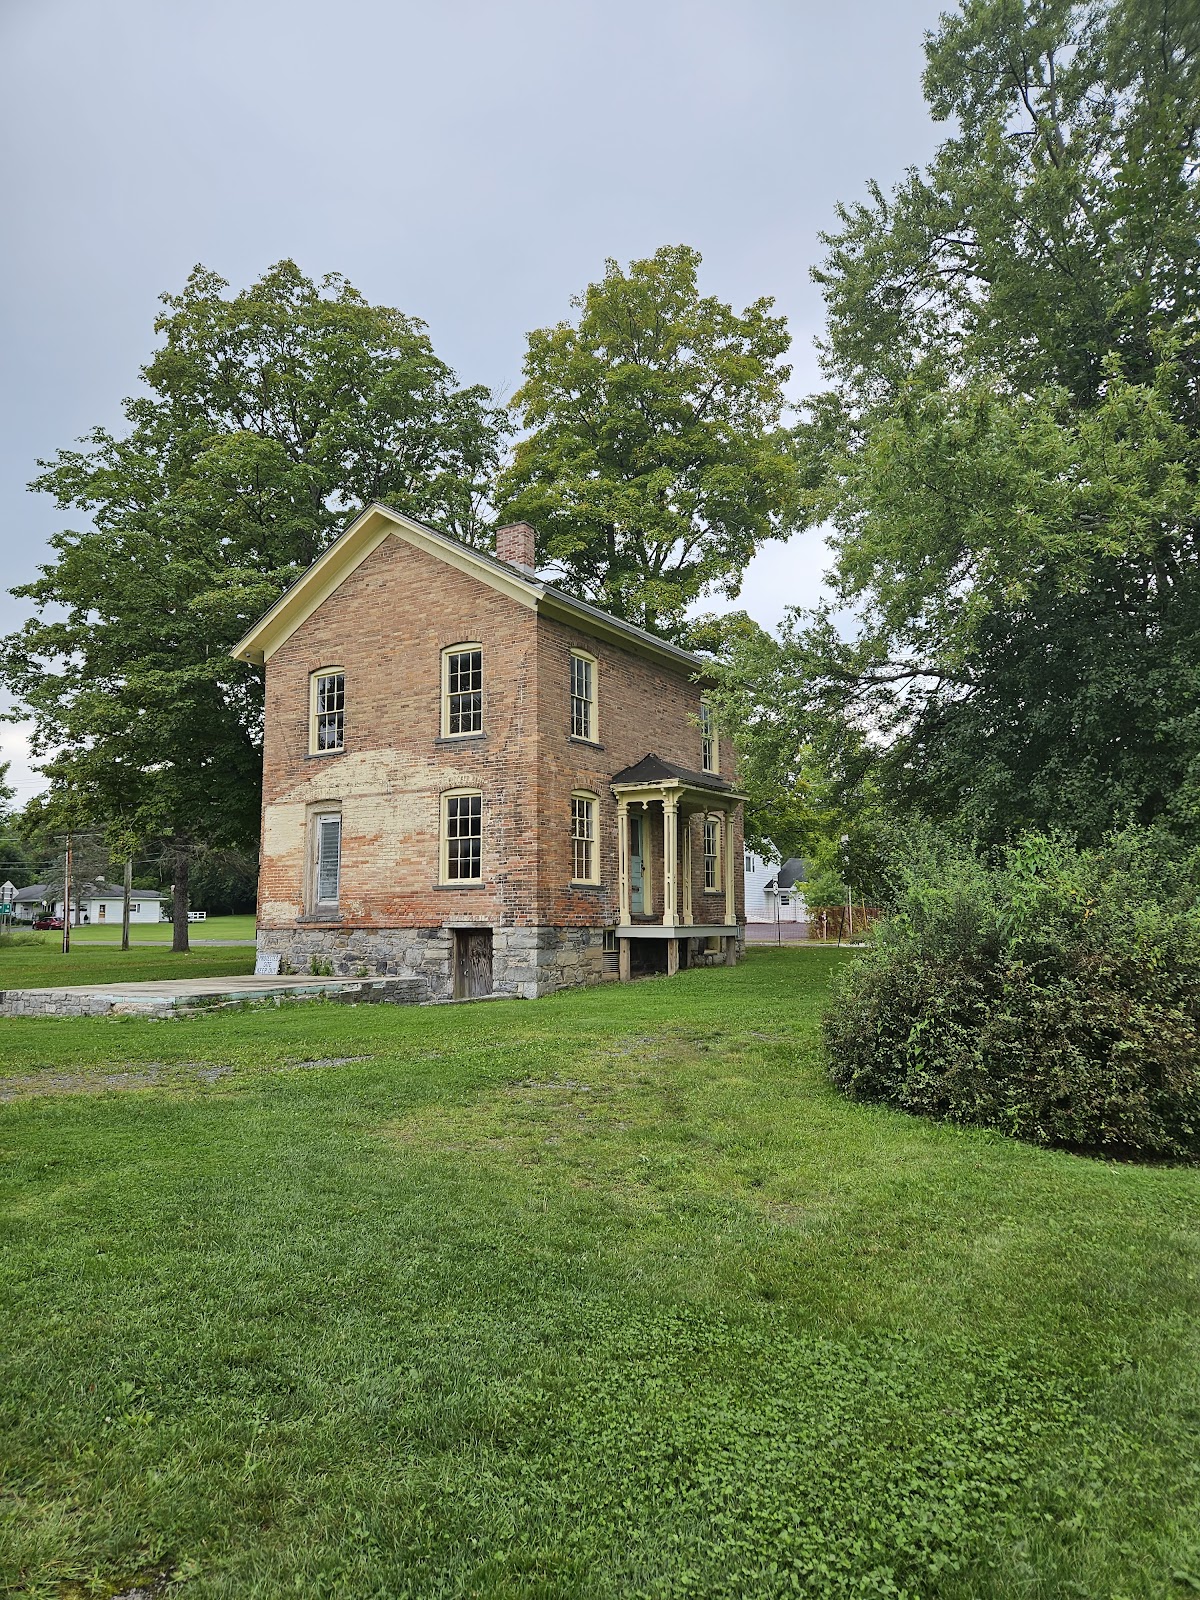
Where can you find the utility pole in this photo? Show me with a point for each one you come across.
(67, 900)
(125, 905)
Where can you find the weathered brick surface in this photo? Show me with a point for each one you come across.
(386, 626)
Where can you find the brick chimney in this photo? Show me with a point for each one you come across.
(515, 544)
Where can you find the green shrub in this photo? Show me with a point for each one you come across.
(1053, 994)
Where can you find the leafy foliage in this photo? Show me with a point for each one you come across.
(655, 463)
(270, 416)
(1053, 995)
(1008, 453)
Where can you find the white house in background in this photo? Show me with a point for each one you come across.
(774, 889)
(98, 903)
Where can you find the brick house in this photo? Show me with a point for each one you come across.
(473, 779)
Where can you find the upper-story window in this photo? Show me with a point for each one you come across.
(462, 690)
(462, 836)
(583, 696)
(710, 754)
(326, 710)
(583, 837)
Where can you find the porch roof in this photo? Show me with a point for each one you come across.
(653, 772)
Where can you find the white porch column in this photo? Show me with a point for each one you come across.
(730, 897)
(670, 858)
(623, 859)
(686, 869)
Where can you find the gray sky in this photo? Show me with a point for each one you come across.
(471, 163)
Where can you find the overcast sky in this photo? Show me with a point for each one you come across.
(472, 163)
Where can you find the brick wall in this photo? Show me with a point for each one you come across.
(386, 626)
(642, 709)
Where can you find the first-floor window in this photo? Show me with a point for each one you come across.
(329, 859)
(712, 852)
(462, 837)
(583, 838)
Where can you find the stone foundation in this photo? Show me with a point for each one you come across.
(528, 962)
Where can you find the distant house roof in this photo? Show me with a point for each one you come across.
(369, 530)
(36, 893)
(792, 872)
(116, 891)
(653, 769)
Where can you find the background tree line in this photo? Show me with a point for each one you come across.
(1005, 451)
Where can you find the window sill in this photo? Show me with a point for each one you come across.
(324, 755)
(460, 884)
(586, 883)
(577, 738)
(459, 738)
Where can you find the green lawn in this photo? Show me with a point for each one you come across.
(602, 1296)
(43, 964)
(156, 932)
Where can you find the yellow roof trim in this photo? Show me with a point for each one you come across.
(348, 551)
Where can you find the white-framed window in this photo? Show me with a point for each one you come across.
(326, 710)
(584, 722)
(710, 756)
(610, 941)
(462, 836)
(135, 905)
(327, 858)
(583, 837)
(462, 690)
(712, 852)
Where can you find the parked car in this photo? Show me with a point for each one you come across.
(42, 923)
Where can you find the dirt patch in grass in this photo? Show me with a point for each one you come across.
(153, 1075)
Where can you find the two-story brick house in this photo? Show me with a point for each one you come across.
(474, 779)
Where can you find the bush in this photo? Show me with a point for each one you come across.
(1053, 994)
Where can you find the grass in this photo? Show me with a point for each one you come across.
(109, 933)
(36, 961)
(599, 1296)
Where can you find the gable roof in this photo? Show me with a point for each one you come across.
(377, 523)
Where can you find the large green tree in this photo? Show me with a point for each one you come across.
(267, 418)
(655, 462)
(1007, 450)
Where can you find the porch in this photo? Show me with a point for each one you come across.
(657, 805)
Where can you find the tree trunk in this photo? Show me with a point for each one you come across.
(183, 861)
(125, 904)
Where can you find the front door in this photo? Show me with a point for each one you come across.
(637, 893)
(472, 963)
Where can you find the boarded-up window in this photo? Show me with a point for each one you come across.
(329, 859)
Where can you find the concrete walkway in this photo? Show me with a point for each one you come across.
(178, 996)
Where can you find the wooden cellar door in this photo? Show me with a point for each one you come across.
(472, 963)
